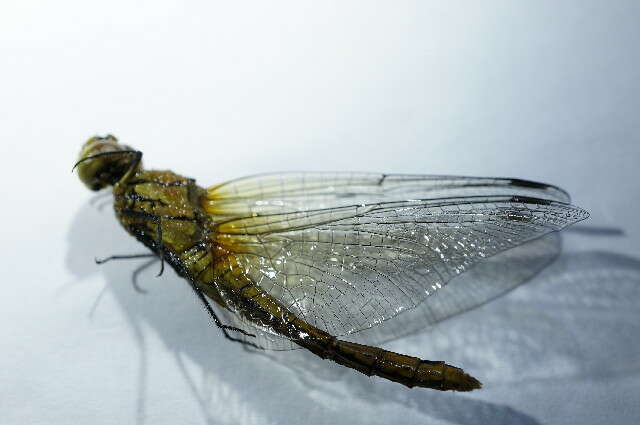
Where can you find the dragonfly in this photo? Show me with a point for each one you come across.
(308, 260)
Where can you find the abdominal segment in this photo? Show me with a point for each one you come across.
(234, 291)
(407, 370)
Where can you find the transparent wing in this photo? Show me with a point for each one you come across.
(261, 336)
(490, 278)
(349, 268)
(287, 192)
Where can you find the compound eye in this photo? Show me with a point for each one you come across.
(103, 162)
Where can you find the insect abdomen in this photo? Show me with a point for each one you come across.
(257, 306)
(407, 370)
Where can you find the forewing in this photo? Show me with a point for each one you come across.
(288, 192)
(350, 268)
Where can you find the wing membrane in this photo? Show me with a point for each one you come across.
(287, 192)
(488, 279)
(263, 337)
(350, 267)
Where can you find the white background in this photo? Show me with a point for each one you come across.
(543, 90)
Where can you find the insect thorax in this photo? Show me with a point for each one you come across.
(162, 210)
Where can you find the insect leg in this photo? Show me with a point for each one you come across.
(157, 219)
(137, 154)
(136, 272)
(123, 257)
(133, 167)
(100, 200)
(217, 321)
(160, 246)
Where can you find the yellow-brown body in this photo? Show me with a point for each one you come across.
(299, 259)
(165, 212)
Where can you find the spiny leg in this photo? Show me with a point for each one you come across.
(157, 220)
(160, 247)
(123, 257)
(101, 200)
(137, 271)
(217, 321)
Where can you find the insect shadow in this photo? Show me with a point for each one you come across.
(304, 389)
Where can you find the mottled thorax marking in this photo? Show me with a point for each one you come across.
(161, 209)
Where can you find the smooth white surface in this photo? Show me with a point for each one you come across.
(540, 90)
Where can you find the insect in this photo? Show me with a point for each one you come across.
(305, 259)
